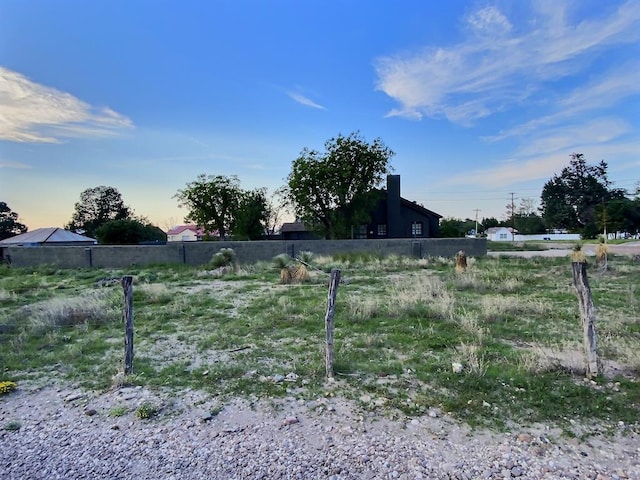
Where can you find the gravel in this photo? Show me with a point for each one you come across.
(68, 434)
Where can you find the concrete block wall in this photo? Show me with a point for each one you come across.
(200, 253)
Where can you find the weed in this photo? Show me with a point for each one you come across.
(146, 411)
(120, 411)
(12, 426)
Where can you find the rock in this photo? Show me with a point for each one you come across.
(516, 471)
(291, 377)
(433, 413)
(72, 397)
(525, 438)
(457, 367)
(278, 378)
(291, 420)
(90, 412)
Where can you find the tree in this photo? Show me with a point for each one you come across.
(456, 227)
(217, 203)
(212, 202)
(9, 225)
(97, 206)
(489, 222)
(569, 200)
(335, 190)
(252, 216)
(129, 231)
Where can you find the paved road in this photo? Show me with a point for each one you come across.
(560, 250)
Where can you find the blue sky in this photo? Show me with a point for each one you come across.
(478, 99)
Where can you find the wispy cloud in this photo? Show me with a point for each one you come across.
(17, 165)
(36, 113)
(543, 166)
(500, 65)
(303, 100)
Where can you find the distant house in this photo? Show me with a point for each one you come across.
(392, 217)
(50, 236)
(185, 233)
(296, 231)
(501, 234)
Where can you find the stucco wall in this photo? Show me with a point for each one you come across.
(198, 253)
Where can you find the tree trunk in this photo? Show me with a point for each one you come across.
(588, 316)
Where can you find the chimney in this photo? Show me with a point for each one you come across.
(394, 221)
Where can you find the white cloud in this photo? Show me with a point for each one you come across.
(36, 113)
(17, 165)
(498, 65)
(301, 99)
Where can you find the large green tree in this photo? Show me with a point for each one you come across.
(212, 201)
(129, 231)
(217, 203)
(9, 224)
(569, 200)
(97, 206)
(334, 190)
(253, 214)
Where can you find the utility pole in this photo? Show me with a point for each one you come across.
(476, 210)
(513, 217)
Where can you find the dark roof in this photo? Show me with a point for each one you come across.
(418, 208)
(48, 235)
(293, 227)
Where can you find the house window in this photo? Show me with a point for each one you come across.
(503, 236)
(416, 229)
(362, 231)
(382, 230)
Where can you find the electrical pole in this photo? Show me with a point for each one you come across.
(513, 217)
(476, 210)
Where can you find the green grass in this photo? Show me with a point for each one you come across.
(401, 323)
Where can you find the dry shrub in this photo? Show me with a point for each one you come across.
(285, 275)
(473, 362)
(602, 255)
(461, 262)
(424, 290)
(300, 273)
(577, 255)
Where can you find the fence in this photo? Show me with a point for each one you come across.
(199, 253)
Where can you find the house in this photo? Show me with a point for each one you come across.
(49, 236)
(296, 231)
(185, 233)
(397, 217)
(501, 234)
(392, 217)
(43, 237)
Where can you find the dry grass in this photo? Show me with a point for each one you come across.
(408, 292)
(96, 307)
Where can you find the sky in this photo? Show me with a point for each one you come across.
(481, 101)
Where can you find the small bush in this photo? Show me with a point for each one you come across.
(226, 257)
(7, 387)
(145, 411)
(13, 426)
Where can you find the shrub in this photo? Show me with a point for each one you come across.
(145, 411)
(226, 257)
(7, 387)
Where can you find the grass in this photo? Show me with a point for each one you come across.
(512, 323)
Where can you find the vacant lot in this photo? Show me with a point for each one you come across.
(512, 323)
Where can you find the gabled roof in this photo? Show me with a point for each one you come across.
(178, 229)
(491, 230)
(293, 227)
(419, 208)
(48, 235)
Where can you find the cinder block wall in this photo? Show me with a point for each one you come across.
(199, 253)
